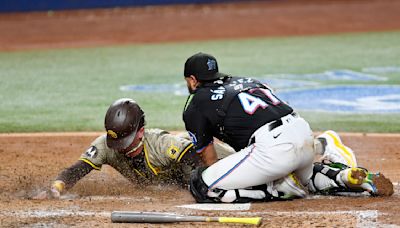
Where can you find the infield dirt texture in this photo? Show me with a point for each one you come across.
(29, 162)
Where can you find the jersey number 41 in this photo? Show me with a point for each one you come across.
(251, 103)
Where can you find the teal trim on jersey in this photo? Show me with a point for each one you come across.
(188, 101)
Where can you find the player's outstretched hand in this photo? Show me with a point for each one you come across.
(53, 193)
(48, 194)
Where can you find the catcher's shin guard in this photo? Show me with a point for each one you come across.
(336, 177)
(202, 194)
(287, 188)
(327, 179)
(241, 195)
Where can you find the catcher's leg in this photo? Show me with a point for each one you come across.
(268, 159)
(203, 194)
(332, 178)
(284, 189)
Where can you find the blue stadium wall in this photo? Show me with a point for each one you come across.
(45, 5)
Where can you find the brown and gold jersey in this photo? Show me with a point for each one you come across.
(160, 159)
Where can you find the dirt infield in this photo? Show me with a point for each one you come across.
(29, 162)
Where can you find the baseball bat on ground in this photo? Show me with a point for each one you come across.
(158, 217)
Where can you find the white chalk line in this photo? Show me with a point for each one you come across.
(123, 198)
(218, 206)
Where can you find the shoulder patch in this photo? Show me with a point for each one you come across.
(173, 151)
(91, 152)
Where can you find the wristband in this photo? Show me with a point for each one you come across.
(58, 185)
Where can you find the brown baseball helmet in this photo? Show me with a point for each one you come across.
(123, 118)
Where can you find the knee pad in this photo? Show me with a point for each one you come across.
(323, 180)
(326, 179)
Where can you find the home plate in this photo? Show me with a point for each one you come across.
(218, 207)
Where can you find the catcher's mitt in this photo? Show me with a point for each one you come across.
(374, 183)
(383, 185)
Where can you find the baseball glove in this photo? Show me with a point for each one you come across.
(383, 185)
(374, 183)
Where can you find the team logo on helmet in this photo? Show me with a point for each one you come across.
(112, 134)
(212, 64)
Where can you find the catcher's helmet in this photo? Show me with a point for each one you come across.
(123, 118)
(203, 66)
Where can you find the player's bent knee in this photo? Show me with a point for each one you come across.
(202, 194)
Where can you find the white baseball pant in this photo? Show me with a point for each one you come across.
(274, 154)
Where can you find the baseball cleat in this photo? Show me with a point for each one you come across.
(335, 151)
(290, 187)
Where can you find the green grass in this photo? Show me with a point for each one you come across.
(71, 89)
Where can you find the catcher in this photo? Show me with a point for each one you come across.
(142, 156)
(275, 147)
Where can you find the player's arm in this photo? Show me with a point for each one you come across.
(70, 176)
(222, 149)
(66, 180)
(189, 157)
(208, 154)
(201, 134)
